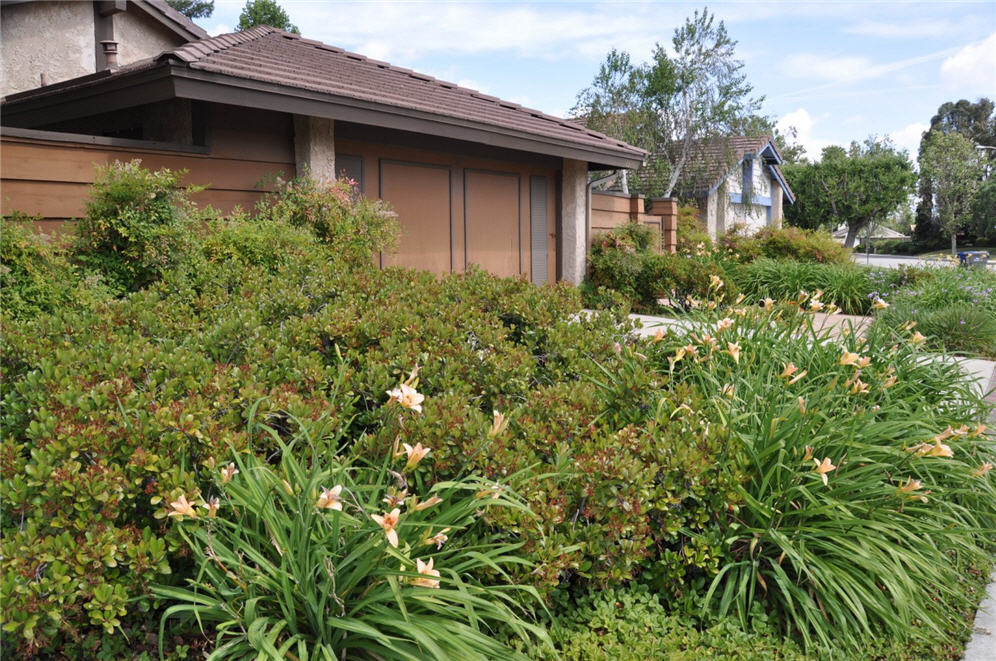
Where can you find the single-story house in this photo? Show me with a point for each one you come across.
(473, 179)
(879, 233)
(733, 181)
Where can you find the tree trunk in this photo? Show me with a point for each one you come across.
(852, 233)
(954, 243)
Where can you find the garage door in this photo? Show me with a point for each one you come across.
(420, 195)
(491, 207)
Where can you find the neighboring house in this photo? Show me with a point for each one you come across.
(42, 43)
(717, 176)
(879, 233)
(474, 179)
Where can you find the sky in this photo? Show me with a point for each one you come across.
(835, 71)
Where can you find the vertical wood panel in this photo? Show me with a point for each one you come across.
(492, 221)
(539, 227)
(420, 194)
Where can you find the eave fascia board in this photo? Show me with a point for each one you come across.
(104, 94)
(220, 88)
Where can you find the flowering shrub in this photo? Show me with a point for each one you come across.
(624, 260)
(35, 274)
(136, 225)
(357, 227)
(867, 489)
(321, 555)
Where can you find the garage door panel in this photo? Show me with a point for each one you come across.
(420, 195)
(492, 221)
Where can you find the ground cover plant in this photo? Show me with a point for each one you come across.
(320, 555)
(955, 308)
(867, 497)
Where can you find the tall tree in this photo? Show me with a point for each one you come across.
(954, 169)
(977, 122)
(672, 104)
(193, 8)
(855, 187)
(265, 12)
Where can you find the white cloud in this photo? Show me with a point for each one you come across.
(916, 29)
(807, 65)
(908, 137)
(220, 28)
(404, 31)
(972, 68)
(804, 123)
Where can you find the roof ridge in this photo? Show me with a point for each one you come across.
(195, 50)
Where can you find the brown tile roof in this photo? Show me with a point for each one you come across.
(273, 56)
(710, 162)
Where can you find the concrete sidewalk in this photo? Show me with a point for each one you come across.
(981, 373)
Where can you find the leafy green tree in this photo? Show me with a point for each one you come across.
(193, 8)
(977, 122)
(673, 104)
(954, 169)
(265, 12)
(983, 223)
(857, 186)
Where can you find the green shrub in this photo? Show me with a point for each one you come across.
(35, 276)
(852, 521)
(634, 623)
(801, 245)
(355, 227)
(326, 556)
(136, 224)
(954, 307)
(846, 285)
(691, 233)
(625, 261)
(255, 242)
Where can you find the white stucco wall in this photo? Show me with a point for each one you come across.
(54, 38)
(728, 214)
(140, 36)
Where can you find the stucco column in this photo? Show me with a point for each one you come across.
(776, 205)
(314, 147)
(572, 253)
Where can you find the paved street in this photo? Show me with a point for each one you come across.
(895, 261)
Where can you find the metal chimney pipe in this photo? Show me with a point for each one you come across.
(110, 53)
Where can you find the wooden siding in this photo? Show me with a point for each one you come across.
(610, 210)
(463, 207)
(49, 174)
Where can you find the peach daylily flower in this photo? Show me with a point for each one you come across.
(733, 348)
(330, 499)
(767, 304)
(498, 424)
(824, 467)
(864, 362)
(181, 508)
(415, 454)
(723, 324)
(407, 396)
(432, 500)
(938, 449)
(918, 338)
(429, 577)
(388, 522)
(982, 470)
(815, 305)
(908, 488)
(658, 336)
(395, 497)
(439, 538)
(789, 370)
(727, 390)
(228, 472)
(798, 376)
(740, 299)
(848, 358)
(879, 304)
(979, 430)
(808, 455)
(212, 506)
(715, 282)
